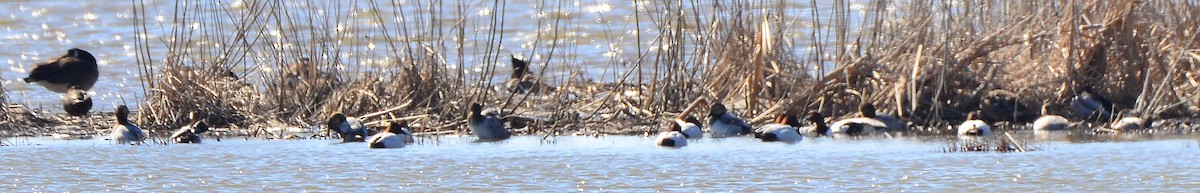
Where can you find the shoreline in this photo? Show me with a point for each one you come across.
(96, 125)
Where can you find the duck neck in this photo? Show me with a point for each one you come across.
(821, 127)
(519, 72)
(123, 118)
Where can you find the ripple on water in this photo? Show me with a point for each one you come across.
(585, 163)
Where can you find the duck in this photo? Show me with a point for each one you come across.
(1127, 122)
(858, 126)
(522, 81)
(1090, 105)
(125, 132)
(673, 137)
(818, 126)
(974, 127)
(191, 132)
(1049, 122)
(391, 137)
(350, 129)
(690, 127)
(723, 124)
(76, 68)
(77, 101)
(893, 123)
(785, 129)
(486, 127)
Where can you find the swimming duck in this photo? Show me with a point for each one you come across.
(125, 132)
(1049, 122)
(723, 124)
(191, 132)
(486, 127)
(893, 124)
(1128, 122)
(691, 127)
(522, 81)
(785, 129)
(673, 137)
(818, 126)
(76, 68)
(1090, 105)
(974, 127)
(391, 137)
(351, 129)
(865, 125)
(77, 101)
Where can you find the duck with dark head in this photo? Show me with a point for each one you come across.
(350, 129)
(690, 126)
(522, 81)
(673, 136)
(391, 137)
(76, 68)
(1049, 121)
(785, 129)
(489, 127)
(125, 132)
(723, 124)
(893, 123)
(817, 127)
(858, 126)
(973, 126)
(191, 132)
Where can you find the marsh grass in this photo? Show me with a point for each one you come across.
(926, 61)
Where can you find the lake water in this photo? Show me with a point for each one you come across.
(36, 30)
(613, 163)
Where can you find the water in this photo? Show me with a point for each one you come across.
(37, 30)
(613, 163)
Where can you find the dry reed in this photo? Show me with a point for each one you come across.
(926, 61)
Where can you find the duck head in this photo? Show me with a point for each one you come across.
(397, 127)
(819, 120)
(788, 119)
(122, 115)
(476, 109)
(198, 123)
(693, 120)
(81, 55)
(717, 109)
(867, 110)
(675, 127)
(335, 122)
(520, 67)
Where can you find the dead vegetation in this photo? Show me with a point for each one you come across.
(926, 61)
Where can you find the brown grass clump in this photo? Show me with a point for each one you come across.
(926, 61)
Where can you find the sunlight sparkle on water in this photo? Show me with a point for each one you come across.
(598, 8)
(484, 12)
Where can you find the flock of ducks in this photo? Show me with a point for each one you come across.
(786, 128)
(75, 73)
